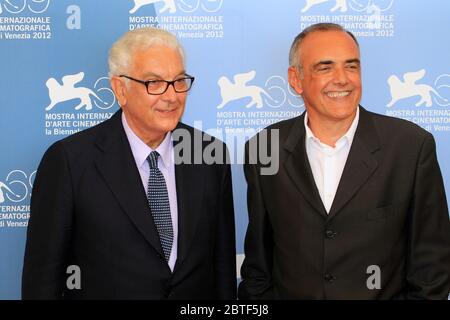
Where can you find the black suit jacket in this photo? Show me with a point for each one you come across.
(88, 208)
(389, 211)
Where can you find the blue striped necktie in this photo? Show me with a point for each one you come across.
(158, 199)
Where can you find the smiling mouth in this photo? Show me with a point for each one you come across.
(337, 94)
(167, 111)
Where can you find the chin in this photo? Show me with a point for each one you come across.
(169, 125)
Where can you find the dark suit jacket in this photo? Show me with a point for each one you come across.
(89, 209)
(389, 211)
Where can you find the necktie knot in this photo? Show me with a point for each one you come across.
(153, 159)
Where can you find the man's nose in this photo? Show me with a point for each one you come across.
(170, 94)
(341, 77)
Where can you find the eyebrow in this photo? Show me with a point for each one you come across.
(354, 60)
(151, 74)
(328, 62)
(322, 62)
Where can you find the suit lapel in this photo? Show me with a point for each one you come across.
(298, 168)
(189, 186)
(117, 166)
(361, 163)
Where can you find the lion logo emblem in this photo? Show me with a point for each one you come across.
(7, 189)
(169, 5)
(409, 88)
(340, 4)
(67, 91)
(239, 89)
(355, 5)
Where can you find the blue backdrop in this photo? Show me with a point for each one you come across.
(53, 82)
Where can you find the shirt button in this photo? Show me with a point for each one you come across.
(330, 234)
(329, 278)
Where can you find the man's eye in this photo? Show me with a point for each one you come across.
(154, 83)
(326, 68)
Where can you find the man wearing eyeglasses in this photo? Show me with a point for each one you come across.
(114, 205)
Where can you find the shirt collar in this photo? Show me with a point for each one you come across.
(349, 135)
(141, 150)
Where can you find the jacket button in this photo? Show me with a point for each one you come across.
(329, 234)
(329, 278)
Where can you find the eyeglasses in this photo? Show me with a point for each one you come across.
(156, 87)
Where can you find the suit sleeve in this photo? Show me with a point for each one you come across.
(256, 271)
(225, 249)
(428, 265)
(49, 228)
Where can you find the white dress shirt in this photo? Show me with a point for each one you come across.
(166, 165)
(327, 163)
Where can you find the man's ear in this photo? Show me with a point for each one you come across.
(120, 91)
(294, 79)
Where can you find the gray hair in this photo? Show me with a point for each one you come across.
(294, 52)
(122, 51)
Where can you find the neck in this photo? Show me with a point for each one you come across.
(154, 143)
(152, 140)
(328, 132)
